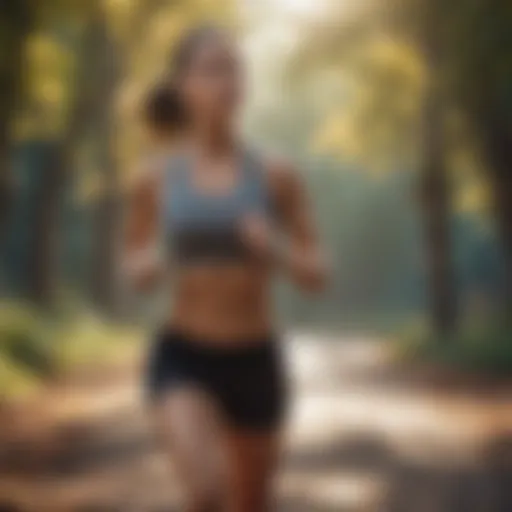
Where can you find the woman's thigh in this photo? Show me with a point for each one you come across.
(252, 460)
(188, 424)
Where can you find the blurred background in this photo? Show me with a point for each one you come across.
(399, 115)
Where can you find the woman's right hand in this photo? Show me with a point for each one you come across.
(143, 268)
(257, 236)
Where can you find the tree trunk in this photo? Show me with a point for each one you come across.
(435, 192)
(58, 164)
(44, 250)
(14, 26)
(497, 141)
(436, 212)
(106, 231)
(107, 213)
(502, 191)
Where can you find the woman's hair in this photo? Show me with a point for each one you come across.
(163, 111)
(164, 108)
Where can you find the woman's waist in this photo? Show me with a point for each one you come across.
(221, 319)
(180, 340)
(220, 288)
(217, 326)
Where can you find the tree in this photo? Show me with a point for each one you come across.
(15, 25)
(398, 116)
(480, 52)
(435, 193)
(54, 129)
(106, 76)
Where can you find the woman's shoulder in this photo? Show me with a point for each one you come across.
(275, 166)
(152, 166)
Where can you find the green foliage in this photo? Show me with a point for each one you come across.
(25, 340)
(358, 100)
(376, 118)
(484, 348)
(86, 340)
(36, 347)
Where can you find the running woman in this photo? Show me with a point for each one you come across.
(228, 219)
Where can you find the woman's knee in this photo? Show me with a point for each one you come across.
(204, 499)
(243, 501)
(188, 423)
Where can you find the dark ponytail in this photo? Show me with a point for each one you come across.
(164, 109)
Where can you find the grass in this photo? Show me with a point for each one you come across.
(481, 348)
(37, 347)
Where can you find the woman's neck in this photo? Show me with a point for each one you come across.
(214, 142)
(163, 143)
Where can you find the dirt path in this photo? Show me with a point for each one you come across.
(364, 436)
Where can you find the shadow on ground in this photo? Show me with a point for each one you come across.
(485, 485)
(349, 463)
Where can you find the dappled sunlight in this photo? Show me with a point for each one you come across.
(395, 118)
(342, 389)
(356, 429)
(79, 406)
(341, 490)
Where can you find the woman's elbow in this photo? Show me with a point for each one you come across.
(314, 280)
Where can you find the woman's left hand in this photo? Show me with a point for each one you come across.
(257, 234)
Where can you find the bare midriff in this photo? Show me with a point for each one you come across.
(224, 304)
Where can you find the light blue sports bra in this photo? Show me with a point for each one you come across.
(202, 227)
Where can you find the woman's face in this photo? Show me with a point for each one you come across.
(212, 85)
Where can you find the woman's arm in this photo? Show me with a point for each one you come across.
(301, 255)
(141, 256)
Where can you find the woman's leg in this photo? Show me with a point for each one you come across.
(187, 422)
(252, 462)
